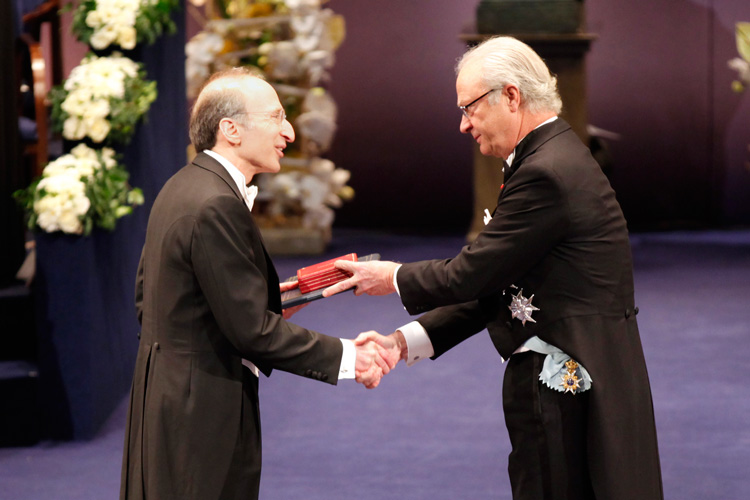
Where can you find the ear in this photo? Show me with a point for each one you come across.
(514, 97)
(228, 128)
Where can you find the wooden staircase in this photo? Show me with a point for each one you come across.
(19, 404)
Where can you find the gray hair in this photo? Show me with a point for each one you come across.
(507, 61)
(213, 105)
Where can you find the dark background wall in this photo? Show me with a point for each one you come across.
(657, 75)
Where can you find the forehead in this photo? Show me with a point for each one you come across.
(259, 95)
(469, 82)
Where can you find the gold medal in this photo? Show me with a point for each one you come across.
(570, 379)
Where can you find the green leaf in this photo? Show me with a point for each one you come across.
(743, 40)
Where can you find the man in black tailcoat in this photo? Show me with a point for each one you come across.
(550, 277)
(207, 297)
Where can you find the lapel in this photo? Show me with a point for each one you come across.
(206, 162)
(529, 144)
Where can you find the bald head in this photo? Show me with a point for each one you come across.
(227, 94)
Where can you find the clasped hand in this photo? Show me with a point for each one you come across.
(377, 355)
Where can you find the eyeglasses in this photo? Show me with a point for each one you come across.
(275, 116)
(464, 108)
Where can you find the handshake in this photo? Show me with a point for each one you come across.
(377, 355)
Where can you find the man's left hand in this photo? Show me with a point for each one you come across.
(285, 286)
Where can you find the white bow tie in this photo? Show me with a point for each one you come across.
(250, 193)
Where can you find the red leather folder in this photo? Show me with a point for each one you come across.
(317, 278)
(323, 274)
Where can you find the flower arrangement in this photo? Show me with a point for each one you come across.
(290, 43)
(306, 194)
(742, 64)
(78, 191)
(101, 23)
(103, 98)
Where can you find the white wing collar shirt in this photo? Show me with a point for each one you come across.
(349, 355)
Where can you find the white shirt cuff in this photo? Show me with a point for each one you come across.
(395, 281)
(348, 360)
(418, 343)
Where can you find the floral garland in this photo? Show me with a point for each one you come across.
(742, 64)
(101, 23)
(103, 98)
(290, 43)
(78, 191)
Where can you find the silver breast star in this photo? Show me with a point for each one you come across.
(521, 308)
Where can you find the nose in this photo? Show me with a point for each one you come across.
(287, 131)
(465, 125)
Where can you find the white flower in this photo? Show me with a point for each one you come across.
(320, 217)
(103, 37)
(318, 129)
(90, 87)
(317, 99)
(316, 63)
(283, 60)
(98, 108)
(314, 191)
(98, 129)
(742, 68)
(201, 52)
(93, 19)
(298, 4)
(76, 101)
(63, 205)
(108, 156)
(126, 37)
(70, 222)
(285, 185)
(114, 21)
(74, 129)
(204, 46)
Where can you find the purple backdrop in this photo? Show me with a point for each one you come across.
(657, 75)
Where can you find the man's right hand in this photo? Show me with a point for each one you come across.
(394, 347)
(372, 277)
(373, 360)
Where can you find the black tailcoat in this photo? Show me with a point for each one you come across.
(557, 233)
(207, 296)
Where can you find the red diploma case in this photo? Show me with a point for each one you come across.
(323, 274)
(316, 278)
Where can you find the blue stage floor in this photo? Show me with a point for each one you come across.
(435, 431)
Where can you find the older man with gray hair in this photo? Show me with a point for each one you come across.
(550, 277)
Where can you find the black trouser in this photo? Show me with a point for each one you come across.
(243, 478)
(547, 432)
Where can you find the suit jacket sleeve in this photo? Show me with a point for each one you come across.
(226, 265)
(448, 326)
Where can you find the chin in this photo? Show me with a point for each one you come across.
(271, 168)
